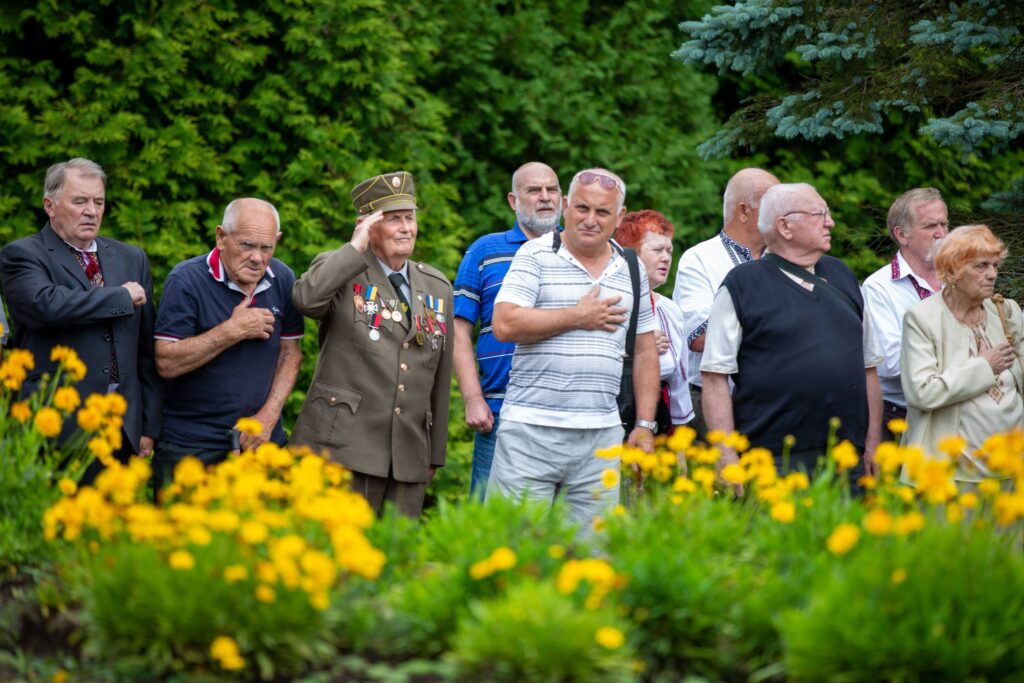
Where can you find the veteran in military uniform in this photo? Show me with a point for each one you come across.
(378, 403)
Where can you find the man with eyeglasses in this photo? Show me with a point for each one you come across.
(788, 329)
(565, 302)
(703, 266)
(536, 199)
(227, 342)
(918, 222)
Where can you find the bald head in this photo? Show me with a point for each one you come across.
(743, 195)
(536, 197)
(248, 206)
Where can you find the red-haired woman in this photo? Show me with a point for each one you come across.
(650, 234)
(960, 355)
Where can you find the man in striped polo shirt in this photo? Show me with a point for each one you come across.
(565, 302)
(536, 198)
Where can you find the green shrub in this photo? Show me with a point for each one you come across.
(534, 633)
(943, 605)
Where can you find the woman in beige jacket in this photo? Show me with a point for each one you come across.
(960, 355)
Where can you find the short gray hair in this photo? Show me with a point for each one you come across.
(231, 214)
(901, 213)
(604, 172)
(778, 201)
(57, 175)
(746, 187)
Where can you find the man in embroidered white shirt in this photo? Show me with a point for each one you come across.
(918, 221)
(703, 266)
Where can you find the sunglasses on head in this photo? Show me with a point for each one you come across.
(606, 181)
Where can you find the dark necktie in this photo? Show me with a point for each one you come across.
(397, 281)
(91, 265)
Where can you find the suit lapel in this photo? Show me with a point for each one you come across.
(113, 267)
(61, 254)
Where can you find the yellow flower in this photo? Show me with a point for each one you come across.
(89, 419)
(954, 514)
(609, 478)
(181, 560)
(878, 522)
(235, 573)
(556, 552)
(504, 558)
(953, 446)
(783, 511)
(59, 676)
(906, 494)
(265, 593)
(199, 536)
(66, 399)
(116, 404)
(48, 422)
(735, 473)
(225, 650)
(845, 455)
(843, 539)
(609, 453)
(969, 500)
(797, 481)
(610, 638)
(21, 412)
(897, 425)
(908, 523)
(989, 487)
(250, 426)
(898, 576)
(100, 448)
(683, 484)
(253, 532)
(67, 486)
(619, 510)
(189, 471)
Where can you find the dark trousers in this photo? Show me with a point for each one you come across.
(891, 411)
(407, 498)
(698, 422)
(167, 456)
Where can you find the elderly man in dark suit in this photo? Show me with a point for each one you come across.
(67, 285)
(378, 403)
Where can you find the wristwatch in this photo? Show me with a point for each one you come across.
(648, 424)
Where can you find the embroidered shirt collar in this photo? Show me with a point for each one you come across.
(901, 269)
(737, 252)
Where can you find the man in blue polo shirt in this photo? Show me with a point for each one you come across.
(227, 341)
(536, 197)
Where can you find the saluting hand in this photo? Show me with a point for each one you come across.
(250, 322)
(361, 236)
(599, 314)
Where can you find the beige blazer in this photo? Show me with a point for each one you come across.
(375, 406)
(936, 373)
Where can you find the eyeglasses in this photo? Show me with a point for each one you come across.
(606, 181)
(823, 214)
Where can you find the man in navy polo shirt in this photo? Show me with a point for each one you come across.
(536, 197)
(227, 341)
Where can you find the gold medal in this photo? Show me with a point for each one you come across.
(396, 315)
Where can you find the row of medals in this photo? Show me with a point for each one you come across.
(390, 309)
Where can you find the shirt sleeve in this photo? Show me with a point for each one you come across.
(881, 316)
(467, 286)
(722, 345)
(521, 285)
(178, 314)
(693, 295)
(872, 353)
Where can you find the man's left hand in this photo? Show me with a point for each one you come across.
(146, 446)
(433, 471)
(871, 467)
(248, 442)
(641, 438)
(661, 341)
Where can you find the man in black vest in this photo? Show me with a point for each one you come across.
(789, 330)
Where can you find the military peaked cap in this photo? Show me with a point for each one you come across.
(386, 192)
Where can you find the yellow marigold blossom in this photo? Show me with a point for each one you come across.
(609, 453)
(598, 523)
(250, 426)
(797, 481)
(969, 500)
(320, 600)
(67, 486)
(705, 478)
(59, 676)
(66, 399)
(101, 449)
(235, 573)
(61, 353)
(715, 436)
(189, 471)
(252, 532)
(736, 441)
(808, 502)
(556, 552)
(868, 483)
(906, 494)
(20, 411)
(989, 487)
(878, 522)
(934, 479)
(897, 425)
(954, 513)
(265, 593)
(676, 499)
(681, 439)
(908, 523)
(784, 511)
(116, 404)
(225, 650)
(953, 446)
(1008, 507)
(610, 638)
(200, 536)
(89, 420)
(619, 510)
(48, 422)
(735, 473)
(501, 559)
(609, 478)
(898, 576)
(845, 455)
(181, 560)
(843, 539)
(683, 484)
